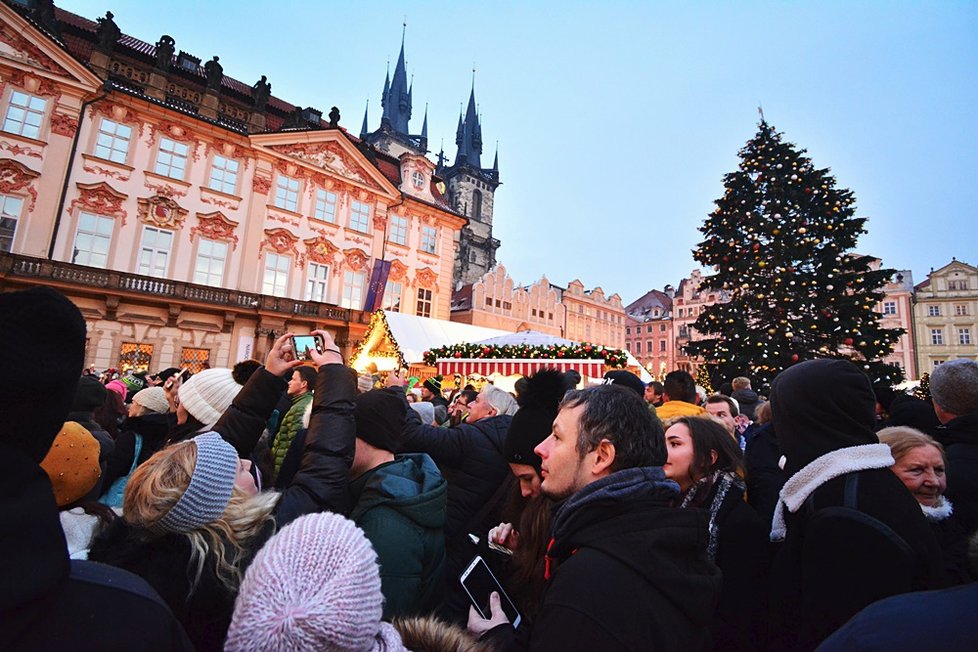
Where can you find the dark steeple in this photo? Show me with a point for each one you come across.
(398, 109)
(469, 135)
(364, 129)
(424, 129)
(385, 97)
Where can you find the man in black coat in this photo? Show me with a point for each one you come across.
(852, 532)
(625, 570)
(48, 602)
(954, 388)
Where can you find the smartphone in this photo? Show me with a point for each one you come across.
(478, 582)
(185, 374)
(302, 344)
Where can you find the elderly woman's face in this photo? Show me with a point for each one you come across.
(922, 471)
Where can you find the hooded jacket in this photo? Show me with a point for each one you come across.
(960, 439)
(747, 400)
(400, 506)
(673, 409)
(824, 574)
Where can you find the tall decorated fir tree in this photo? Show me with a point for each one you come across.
(781, 241)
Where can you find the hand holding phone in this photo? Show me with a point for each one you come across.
(485, 592)
(302, 345)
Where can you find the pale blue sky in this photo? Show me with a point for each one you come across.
(616, 121)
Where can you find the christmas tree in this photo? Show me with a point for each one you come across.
(781, 240)
(703, 379)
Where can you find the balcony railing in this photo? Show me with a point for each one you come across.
(16, 266)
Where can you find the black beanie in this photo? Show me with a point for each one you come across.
(42, 345)
(380, 418)
(533, 422)
(89, 396)
(626, 379)
(434, 385)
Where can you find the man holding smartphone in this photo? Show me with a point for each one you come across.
(625, 569)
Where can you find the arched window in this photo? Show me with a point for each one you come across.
(477, 205)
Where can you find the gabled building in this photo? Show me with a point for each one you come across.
(946, 315)
(193, 217)
(495, 301)
(648, 331)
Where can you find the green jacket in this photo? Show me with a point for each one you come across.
(291, 424)
(401, 508)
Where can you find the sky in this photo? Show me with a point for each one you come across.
(616, 121)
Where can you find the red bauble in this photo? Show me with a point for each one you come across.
(794, 357)
(458, 354)
(847, 341)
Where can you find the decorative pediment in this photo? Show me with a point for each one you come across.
(100, 198)
(329, 156)
(280, 241)
(22, 44)
(215, 226)
(319, 250)
(356, 259)
(426, 277)
(15, 46)
(161, 211)
(15, 177)
(398, 271)
(34, 84)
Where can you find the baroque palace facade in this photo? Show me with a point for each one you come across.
(193, 217)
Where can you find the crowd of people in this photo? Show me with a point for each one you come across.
(291, 504)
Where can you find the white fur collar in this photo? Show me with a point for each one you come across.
(943, 510)
(802, 484)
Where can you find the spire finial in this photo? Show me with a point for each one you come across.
(760, 110)
(364, 128)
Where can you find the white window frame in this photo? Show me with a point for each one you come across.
(934, 310)
(154, 252)
(287, 193)
(429, 239)
(960, 310)
(25, 114)
(92, 227)
(207, 253)
(425, 306)
(275, 277)
(171, 159)
(937, 336)
(399, 230)
(224, 174)
(112, 141)
(393, 296)
(317, 283)
(964, 336)
(326, 204)
(354, 284)
(889, 308)
(9, 220)
(359, 216)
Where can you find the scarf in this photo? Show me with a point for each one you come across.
(802, 484)
(943, 510)
(721, 481)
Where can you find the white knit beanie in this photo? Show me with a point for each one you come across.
(153, 399)
(208, 394)
(314, 586)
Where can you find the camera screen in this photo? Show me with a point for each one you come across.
(303, 342)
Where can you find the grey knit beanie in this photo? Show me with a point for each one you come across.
(314, 586)
(153, 399)
(210, 486)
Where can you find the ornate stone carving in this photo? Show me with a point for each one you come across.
(100, 198)
(380, 222)
(219, 202)
(108, 32)
(165, 48)
(260, 93)
(161, 211)
(355, 259)
(102, 172)
(398, 271)
(319, 250)
(35, 85)
(165, 190)
(215, 226)
(426, 277)
(18, 150)
(281, 241)
(64, 124)
(214, 72)
(172, 131)
(26, 51)
(15, 177)
(330, 156)
(261, 185)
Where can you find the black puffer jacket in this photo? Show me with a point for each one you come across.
(960, 439)
(153, 428)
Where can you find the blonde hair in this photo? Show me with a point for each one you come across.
(762, 413)
(434, 635)
(903, 439)
(159, 482)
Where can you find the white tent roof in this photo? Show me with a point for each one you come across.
(415, 335)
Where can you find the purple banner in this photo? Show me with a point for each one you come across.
(378, 283)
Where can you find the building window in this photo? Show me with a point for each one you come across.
(937, 363)
(424, 303)
(961, 309)
(196, 360)
(276, 278)
(628, 345)
(316, 282)
(933, 311)
(937, 336)
(224, 175)
(648, 346)
(24, 115)
(209, 266)
(287, 193)
(399, 226)
(489, 301)
(171, 161)
(429, 239)
(964, 336)
(628, 330)
(135, 357)
(325, 206)
(113, 141)
(957, 285)
(662, 328)
(353, 283)
(359, 216)
(392, 296)
(889, 308)
(662, 345)
(154, 252)
(10, 208)
(477, 205)
(92, 240)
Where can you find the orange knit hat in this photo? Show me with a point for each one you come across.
(72, 463)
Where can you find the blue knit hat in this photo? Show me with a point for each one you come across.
(210, 486)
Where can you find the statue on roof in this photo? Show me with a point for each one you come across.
(260, 93)
(165, 48)
(108, 32)
(334, 117)
(214, 73)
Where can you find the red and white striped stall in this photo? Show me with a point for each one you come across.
(591, 368)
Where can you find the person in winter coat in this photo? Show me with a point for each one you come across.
(193, 514)
(91, 394)
(747, 399)
(148, 424)
(852, 532)
(300, 396)
(955, 393)
(626, 570)
(399, 501)
(678, 397)
(706, 463)
(47, 601)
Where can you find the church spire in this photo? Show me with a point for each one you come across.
(469, 135)
(399, 97)
(424, 129)
(364, 129)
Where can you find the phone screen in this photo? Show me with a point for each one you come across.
(303, 342)
(478, 582)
